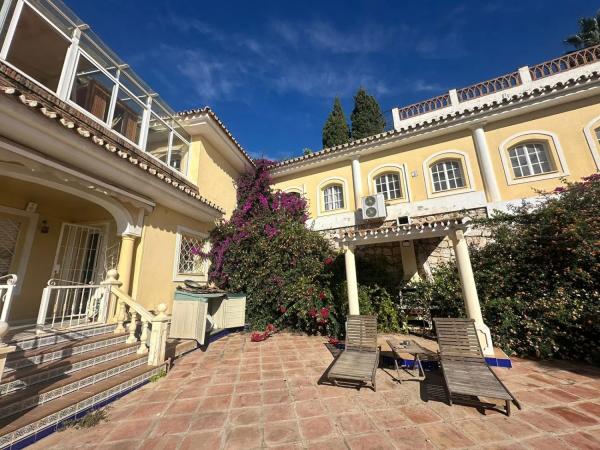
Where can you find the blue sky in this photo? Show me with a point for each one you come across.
(270, 69)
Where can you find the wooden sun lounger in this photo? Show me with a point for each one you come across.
(359, 360)
(463, 365)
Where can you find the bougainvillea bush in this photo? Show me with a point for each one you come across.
(539, 280)
(266, 251)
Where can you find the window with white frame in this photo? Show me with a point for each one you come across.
(447, 175)
(529, 159)
(189, 254)
(597, 131)
(388, 184)
(333, 196)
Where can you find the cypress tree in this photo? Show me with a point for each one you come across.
(366, 117)
(335, 130)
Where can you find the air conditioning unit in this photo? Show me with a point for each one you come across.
(373, 207)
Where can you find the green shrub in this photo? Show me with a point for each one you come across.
(539, 279)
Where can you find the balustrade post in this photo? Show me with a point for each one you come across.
(158, 337)
(120, 317)
(132, 327)
(41, 320)
(112, 304)
(144, 338)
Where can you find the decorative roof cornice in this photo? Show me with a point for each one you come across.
(16, 85)
(473, 112)
(191, 114)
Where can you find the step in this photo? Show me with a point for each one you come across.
(30, 375)
(53, 389)
(64, 349)
(30, 340)
(23, 429)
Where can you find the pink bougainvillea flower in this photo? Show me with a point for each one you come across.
(270, 329)
(324, 313)
(322, 295)
(312, 313)
(559, 190)
(328, 261)
(258, 337)
(333, 340)
(322, 322)
(282, 309)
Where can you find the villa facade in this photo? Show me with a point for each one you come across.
(97, 172)
(449, 159)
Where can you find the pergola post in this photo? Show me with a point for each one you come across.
(351, 280)
(469, 290)
(409, 261)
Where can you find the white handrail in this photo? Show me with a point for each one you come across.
(6, 292)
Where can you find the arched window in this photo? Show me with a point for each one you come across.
(388, 184)
(333, 197)
(447, 175)
(530, 158)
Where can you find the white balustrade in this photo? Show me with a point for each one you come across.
(71, 304)
(67, 305)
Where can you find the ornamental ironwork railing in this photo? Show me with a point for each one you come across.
(566, 62)
(545, 69)
(497, 84)
(425, 106)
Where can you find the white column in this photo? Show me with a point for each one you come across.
(409, 261)
(356, 183)
(125, 265)
(351, 280)
(485, 162)
(469, 290)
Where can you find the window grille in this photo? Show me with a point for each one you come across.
(190, 260)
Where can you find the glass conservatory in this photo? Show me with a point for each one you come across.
(46, 42)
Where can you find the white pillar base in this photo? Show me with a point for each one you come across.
(485, 338)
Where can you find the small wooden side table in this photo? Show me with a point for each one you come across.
(412, 348)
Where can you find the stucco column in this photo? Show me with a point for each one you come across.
(409, 261)
(125, 265)
(469, 290)
(356, 183)
(351, 280)
(485, 163)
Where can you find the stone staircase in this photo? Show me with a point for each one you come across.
(59, 376)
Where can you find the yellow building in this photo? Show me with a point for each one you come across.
(407, 194)
(96, 171)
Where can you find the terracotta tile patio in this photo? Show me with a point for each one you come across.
(244, 395)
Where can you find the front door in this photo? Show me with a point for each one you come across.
(79, 254)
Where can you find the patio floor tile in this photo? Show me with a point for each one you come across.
(275, 413)
(173, 425)
(444, 435)
(204, 440)
(543, 421)
(477, 430)
(582, 441)
(420, 414)
(547, 443)
(244, 416)
(241, 438)
(317, 428)
(373, 441)
(309, 408)
(355, 423)
(575, 418)
(282, 432)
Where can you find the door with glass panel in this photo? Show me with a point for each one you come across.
(78, 265)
